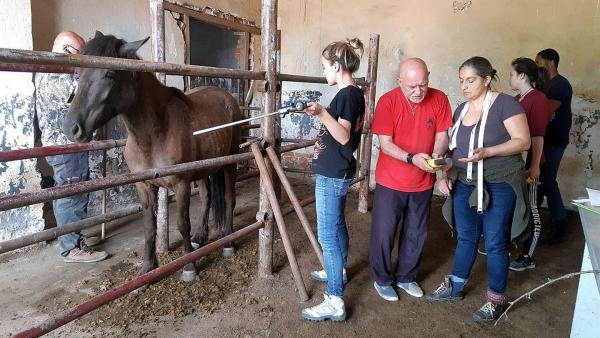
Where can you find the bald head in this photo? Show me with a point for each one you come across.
(414, 79)
(68, 41)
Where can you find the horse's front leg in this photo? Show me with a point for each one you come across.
(148, 195)
(200, 236)
(182, 193)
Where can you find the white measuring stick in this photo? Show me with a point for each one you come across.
(299, 106)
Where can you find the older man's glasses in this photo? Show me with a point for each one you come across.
(68, 49)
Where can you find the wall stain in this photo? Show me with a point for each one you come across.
(584, 120)
(300, 126)
(461, 6)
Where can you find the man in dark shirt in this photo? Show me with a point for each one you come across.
(559, 93)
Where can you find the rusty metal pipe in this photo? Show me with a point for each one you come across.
(23, 154)
(250, 126)
(22, 56)
(15, 67)
(53, 233)
(20, 200)
(313, 79)
(295, 204)
(274, 204)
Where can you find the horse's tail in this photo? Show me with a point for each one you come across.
(217, 188)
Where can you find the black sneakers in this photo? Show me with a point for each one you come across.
(489, 312)
(522, 263)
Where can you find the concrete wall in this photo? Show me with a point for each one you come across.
(445, 33)
(17, 104)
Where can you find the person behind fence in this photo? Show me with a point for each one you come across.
(334, 166)
(527, 79)
(489, 128)
(556, 140)
(411, 123)
(52, 95)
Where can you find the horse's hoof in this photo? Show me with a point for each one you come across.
(228, 251)
(195, 245)
(188, 276)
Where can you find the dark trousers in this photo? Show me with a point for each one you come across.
(549, 188)
(389, 208)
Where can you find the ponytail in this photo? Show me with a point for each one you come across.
(347, 53)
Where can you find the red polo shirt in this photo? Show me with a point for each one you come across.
(412, 133)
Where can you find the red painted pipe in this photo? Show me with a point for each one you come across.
(127, 287)
(23, 154)
(45, 195)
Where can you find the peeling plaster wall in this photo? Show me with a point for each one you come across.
(445, 33)
(17, 105)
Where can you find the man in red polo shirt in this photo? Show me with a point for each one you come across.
(411, 122)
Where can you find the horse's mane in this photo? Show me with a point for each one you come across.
(106, 45)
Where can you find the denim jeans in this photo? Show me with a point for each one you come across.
(549, 188)
(330, 194)
(69, 168)
(495, 223)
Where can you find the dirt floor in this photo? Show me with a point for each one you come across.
(229, 300)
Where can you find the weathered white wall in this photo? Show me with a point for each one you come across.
(16, 123)
(445, 33)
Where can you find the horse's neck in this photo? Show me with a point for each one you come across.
(147, 119)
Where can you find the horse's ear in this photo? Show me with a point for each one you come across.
(130, 48)
(98, 35)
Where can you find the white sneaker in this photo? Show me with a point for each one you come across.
(412, 289)
(321, 276)
(331, 308)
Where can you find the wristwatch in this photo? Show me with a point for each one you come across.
(409, 158)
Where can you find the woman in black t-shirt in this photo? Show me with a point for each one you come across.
(334, 165)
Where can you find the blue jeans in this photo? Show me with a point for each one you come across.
(330, 194)
(549, 188)
(69, 168)
(495, 223)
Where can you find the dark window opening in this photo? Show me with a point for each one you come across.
(218, 47)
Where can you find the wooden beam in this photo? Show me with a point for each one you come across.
(214, 20)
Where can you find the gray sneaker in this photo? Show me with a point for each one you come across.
(321, 276)
(411, 288)
(444, 293)
(386, 292)
(86, 255)
(522, 263)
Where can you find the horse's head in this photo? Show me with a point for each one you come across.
(101, 94)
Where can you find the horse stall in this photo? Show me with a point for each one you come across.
(253, 280)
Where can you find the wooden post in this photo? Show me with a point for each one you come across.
(272, 196)
(268, 63)
(157, 24)
(365, 165)
(295, 203)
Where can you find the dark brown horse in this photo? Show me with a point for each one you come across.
(160, 121)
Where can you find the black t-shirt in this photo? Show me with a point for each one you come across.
(557, 132)
(331, 158)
